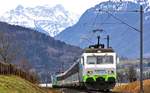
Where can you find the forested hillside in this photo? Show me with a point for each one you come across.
(34, 51)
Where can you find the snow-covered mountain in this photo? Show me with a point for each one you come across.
(46, 19)
(124, 39)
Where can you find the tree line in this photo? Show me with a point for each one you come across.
(131, 75)
(9, 50)
(11, 69)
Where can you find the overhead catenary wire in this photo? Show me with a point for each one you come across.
(113, 16)
(124, 34)
(103, 21)
(122, 21)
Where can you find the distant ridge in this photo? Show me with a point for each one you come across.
(41, 51)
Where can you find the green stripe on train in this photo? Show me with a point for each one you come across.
(94, 77)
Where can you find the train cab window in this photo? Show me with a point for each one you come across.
(104, 59)
(91, 60)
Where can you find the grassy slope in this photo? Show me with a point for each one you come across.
(133, 87)
(13, 84)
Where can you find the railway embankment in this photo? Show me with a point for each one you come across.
(14, 84)
(133, 87)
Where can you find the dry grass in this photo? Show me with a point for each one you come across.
(133, 87)
(52, 90)
(14, 84)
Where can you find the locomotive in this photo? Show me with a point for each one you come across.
(94, 70)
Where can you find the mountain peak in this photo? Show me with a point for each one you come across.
(59, 6)
(19, 7)
(46, 19)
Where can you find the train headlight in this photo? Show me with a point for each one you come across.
(89, 72)
(110, 72)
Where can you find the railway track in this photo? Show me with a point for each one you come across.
(66, 90)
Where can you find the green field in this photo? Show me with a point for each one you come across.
(14, 84)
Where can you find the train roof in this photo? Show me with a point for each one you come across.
(98, 50)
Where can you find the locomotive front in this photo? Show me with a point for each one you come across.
(98, 67)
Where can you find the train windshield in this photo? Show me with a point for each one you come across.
(100, 59)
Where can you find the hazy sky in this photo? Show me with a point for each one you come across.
(75, 6)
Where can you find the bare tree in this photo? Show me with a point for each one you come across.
(120, 77)
(132, 75)
(8, 52)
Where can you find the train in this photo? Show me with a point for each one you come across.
(94, 70)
